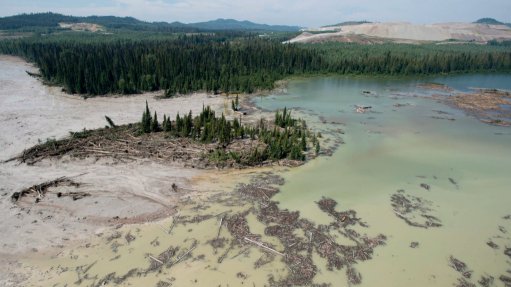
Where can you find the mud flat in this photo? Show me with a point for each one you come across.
(137, 191)
(80, 182)
(236, 237)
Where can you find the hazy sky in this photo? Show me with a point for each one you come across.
(292, 12)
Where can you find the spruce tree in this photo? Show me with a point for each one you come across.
(164, 123)
(155, 126)
(146, 119)
(303, 142)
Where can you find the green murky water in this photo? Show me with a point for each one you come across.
(392, 148)
(405, 140)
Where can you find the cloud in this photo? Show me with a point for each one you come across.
(292, 12)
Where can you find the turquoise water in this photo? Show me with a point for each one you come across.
(392, 148)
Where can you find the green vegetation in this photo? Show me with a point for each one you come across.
(190, 63)
(286, 140)
(136, 56)
(235, 104)
(229, 62)
(405, 59)
(490, 21)
(49, 22)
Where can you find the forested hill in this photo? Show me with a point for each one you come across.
(491, 21)
(31, 22)
(230, 24)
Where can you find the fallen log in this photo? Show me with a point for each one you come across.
(156, 259)
(264, 246)
(41, 189)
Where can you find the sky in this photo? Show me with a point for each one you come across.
(305, 13)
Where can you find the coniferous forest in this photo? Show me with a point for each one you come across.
(230, 62)
(287, 137)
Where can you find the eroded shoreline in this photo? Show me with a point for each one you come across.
(113, 192)
(199, 200)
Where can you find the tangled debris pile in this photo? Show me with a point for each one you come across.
(39, 190)
(414, 210)
(490, 106)
(464, 281)
(460, 267)
(298, 250)
(286, 238)
(121, 143)
(204, 141)
(486, 281)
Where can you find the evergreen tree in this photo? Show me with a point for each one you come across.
(304, 142)
(146, 119)
(110, 122)
(164, 123)
(155, 126)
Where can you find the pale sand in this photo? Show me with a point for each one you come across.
(135, 191)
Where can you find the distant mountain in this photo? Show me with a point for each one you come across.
(231, 24)
(52, 20)
(489, 21)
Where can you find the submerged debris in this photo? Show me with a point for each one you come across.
(486, 280)
(112, 278)
(507, 252)
(299, 239)
(288, 227)
(414, 210)
(414, 244)
(425, 186)
(218, 242)
(354, 277)
(453, 182)
(506, 280)
(129, 237)
(462, 282)
(492, 244)
(266, 258)
(460, 267)
(346, 218)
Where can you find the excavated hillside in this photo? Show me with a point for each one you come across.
(406, 32)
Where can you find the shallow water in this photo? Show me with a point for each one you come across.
(392, 148)
(466, 164)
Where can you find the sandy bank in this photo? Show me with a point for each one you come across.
(132, 192)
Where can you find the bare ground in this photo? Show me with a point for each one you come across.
(136, 191)
(407, 33)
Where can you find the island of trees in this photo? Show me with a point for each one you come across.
(205, 140)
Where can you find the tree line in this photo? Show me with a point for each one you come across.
(231, 63)
(177, 66)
